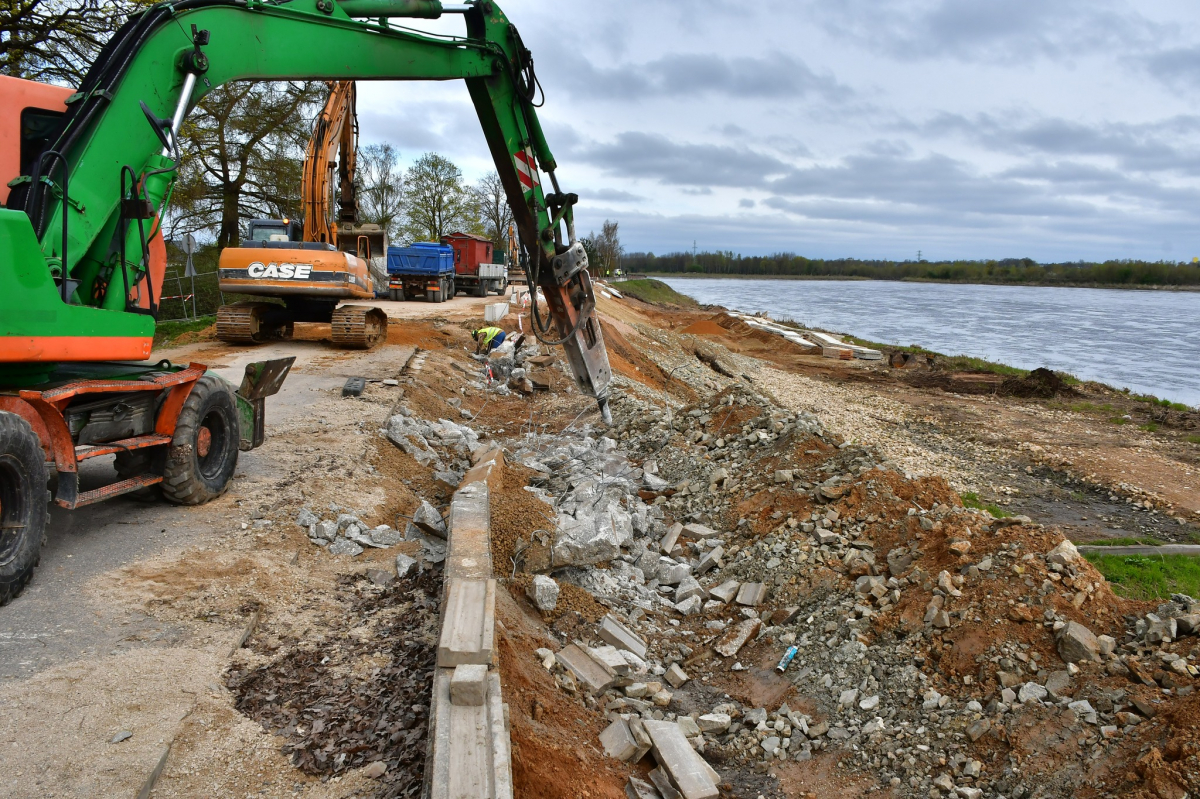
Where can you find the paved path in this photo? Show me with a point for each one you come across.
(1166, 549)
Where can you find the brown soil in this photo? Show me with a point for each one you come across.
(705, 327)
(555, 753)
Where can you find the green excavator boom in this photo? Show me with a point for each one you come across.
(75, 282)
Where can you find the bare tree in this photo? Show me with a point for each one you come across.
(55, 41)
(243, 152)
(436, 201)
(607, 248)
(494, 212)
(382, 186)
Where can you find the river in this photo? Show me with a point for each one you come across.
(1146, 341)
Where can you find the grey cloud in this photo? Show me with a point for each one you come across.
(647, 155)
(614, 196)
(932, 181)
(746, 202)
(968, 30)
(1171, 144)
(678, 75)
(1178, 67)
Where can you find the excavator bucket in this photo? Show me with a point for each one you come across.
(261, 380)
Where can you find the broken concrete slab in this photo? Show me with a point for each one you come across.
(469, 625)
(736, 637)
(614, 632)
(751, 594)
(468, 685)
(690, 775)
(638, 731)
(591, 675)
(662, 783)
(671, 572)
(697, 530)
(711, 560)
(638, 789)
(610, 660)
(618, 741)
(726, 591)
(688, 587)
(669, 540)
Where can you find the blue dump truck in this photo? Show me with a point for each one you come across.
(424, 269)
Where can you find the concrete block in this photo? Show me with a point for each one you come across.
(639, 789)
(690, 775)
(591, 675)
(662, 783)
(468, 628)
(610, 660)
(618, 741)
(751, 594)
(671, 572)
(614, 632)
(669, 540)
(711, 560)
(468, 685)
(675, 676)
(726, 591)
(688, 587)
(468, 555)
(736, 637)
(638, 731)
(462, 746)
(502, 779)
(697, 530)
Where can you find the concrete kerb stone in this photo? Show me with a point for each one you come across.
(470, 748)
(469, 623)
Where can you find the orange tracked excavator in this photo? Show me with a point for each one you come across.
(316, 265)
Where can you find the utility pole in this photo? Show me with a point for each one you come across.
(918, 256)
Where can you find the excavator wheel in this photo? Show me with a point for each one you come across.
(246, 323)
(358, 327)
(23, 509)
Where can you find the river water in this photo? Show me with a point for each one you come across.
(1146, 341)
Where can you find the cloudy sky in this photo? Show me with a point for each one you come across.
(1050, 129)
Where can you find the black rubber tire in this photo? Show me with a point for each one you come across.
(452, 291)
(481, 288)
(188, 477)
(23, 509)
(433, 296)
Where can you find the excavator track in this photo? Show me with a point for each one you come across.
(246, 323)
(358, 327)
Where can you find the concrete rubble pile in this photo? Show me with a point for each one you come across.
(443, 446)
(849, 592)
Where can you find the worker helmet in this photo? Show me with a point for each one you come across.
(475, 335)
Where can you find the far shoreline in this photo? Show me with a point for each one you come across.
(858, 279)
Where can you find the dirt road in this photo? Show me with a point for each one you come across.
(84, 659)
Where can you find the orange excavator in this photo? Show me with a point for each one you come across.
(315, 265)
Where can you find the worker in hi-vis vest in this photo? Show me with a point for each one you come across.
(487, 339)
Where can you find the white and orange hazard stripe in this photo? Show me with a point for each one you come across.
(527, 169)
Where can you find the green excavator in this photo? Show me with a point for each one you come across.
(89, 177)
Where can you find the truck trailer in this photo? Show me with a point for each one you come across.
(425, 269)
(474, 271)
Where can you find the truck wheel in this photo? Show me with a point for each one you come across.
(433, 296)
(481, 288)
(204, 449)
(453, 290)
(23, 509)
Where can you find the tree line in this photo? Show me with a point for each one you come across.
(1125, 272)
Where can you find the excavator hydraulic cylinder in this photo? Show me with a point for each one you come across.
(423, 9)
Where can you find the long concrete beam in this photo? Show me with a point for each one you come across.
(470, 748)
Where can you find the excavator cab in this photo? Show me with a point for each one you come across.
(274, 230)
